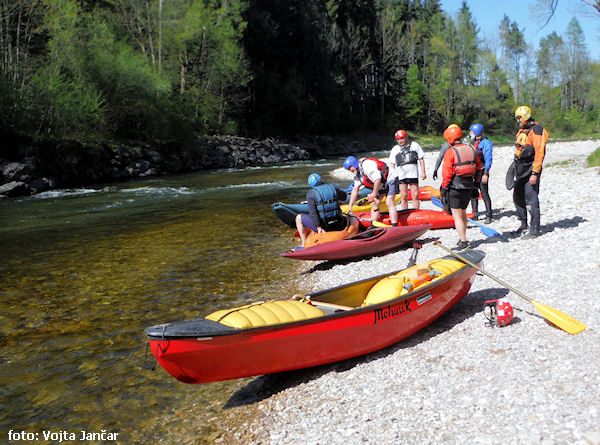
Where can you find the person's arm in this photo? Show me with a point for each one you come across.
(373, 196)
(311, 200)
(423, 171)
(447, 168)
(487, 149)
(340, 194)
(443, 150)
(353, 196)
(539, 144)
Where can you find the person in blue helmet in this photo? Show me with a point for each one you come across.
(484, 149)
(371, 173)
(324, 212)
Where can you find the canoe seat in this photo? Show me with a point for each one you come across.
(264, 314)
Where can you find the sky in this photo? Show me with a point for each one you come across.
(487, 14)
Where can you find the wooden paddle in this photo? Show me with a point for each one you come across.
(558, 318)
(487, 231)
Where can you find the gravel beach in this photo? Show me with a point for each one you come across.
(460, 380)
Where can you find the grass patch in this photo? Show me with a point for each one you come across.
(554, 164)
(593, 160)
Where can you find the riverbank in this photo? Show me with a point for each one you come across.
(460, 380)
(27, 168)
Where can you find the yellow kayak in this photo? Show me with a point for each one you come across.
(363, 205)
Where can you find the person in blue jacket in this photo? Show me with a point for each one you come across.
(484, 149)
(324, 212)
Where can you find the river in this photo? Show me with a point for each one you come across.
(84, 271)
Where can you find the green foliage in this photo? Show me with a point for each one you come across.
(594, 159)
(166, 70)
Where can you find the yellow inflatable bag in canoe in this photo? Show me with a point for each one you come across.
(263, 314)
(410, 279)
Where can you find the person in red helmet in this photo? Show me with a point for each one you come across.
(404, 160)
(459, 179)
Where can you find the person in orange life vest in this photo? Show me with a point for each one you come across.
(484, 149)
(440, 158)
(529, 157)
(404, 161)
(371, 173)
(459, 178)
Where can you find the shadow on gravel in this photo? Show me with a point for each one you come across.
(266, 386)
(567, 223)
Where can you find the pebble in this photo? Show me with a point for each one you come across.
(460, 380)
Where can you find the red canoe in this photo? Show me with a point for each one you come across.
(366, 243)
(324, 327)
(413, 217)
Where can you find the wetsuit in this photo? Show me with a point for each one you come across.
(529, 157)
(484, 149)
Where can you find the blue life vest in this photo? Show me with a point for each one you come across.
(327, 203)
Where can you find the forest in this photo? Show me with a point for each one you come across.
(166, 70)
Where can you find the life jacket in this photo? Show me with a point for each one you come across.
(464, 160)
(327, 203)
(406, 156)
(479, 151)
(525, 150)
(381, 166)
(465, 167)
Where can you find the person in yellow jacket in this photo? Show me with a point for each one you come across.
(529, 156)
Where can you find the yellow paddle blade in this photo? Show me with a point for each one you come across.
(380, 224)
(560, 319)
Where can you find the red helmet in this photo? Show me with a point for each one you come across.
(401, 134)
(498, 312)
(452, 134)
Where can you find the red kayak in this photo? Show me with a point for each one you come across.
(425, 193)
(324, 327)
(366, 243)
(413, 217)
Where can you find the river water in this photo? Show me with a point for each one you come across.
(84, 271)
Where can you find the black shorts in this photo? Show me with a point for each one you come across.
(459, 198)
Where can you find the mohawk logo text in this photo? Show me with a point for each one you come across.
(389, 312)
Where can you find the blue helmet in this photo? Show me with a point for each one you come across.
(477, 129)
(350, 161)
(314, 179)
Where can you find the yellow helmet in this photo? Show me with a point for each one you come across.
(524, 112)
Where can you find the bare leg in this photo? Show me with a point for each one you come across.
(414, 189)
(404, 196)
(460, 222)
(375, 210)
(301, 229)
(392, 208)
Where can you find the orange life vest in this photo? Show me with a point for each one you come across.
(464, 160)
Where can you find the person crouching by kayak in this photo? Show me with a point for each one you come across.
(529, 157)
(373, 174)
(324, 212)
(484, 149)
(459, 179)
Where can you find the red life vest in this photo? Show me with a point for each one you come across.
(381, 166)
(464, 160)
